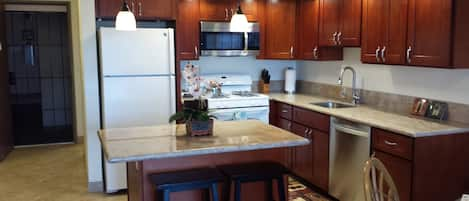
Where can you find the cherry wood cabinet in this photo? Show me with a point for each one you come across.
(320, 142)
(384, 30)
(460, 38)
(223, 10)
(308, 34)
(429, 33)
(401, 172)
(351, 19)
(142, 9)
(187, 30)
(329, 23)
(280, 19)
(303, 155)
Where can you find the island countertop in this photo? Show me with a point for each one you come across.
(167, 141)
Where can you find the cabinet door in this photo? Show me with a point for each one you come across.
(396, 34)
(429, 32)
(308, 26)
(375, 14)
(108, 8)
(303, 155)
(280, 29)
(329, 22)
(216, 10)
(460, 39)
(351, 23)
(400, 171)
(320, 144)
(250, 8)
(285, 124)
(159, 9)
(187, 34)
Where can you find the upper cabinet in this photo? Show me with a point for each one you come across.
(280, 29)
(384, 31)
(460, 39)
(187, 30)
(429, 33)
(223, 10)
(339, 23)
(142, 9)
(308, 34)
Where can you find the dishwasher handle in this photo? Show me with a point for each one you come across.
(352, 131)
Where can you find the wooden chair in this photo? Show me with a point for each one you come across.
(378, 183)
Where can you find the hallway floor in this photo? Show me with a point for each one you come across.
(54, 173)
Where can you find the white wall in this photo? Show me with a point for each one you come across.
(433, 83)
(247, 65)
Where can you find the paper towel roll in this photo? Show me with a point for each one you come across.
(290, 80)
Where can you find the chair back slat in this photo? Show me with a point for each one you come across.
(378, 183)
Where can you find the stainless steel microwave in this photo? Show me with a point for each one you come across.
(216, 39)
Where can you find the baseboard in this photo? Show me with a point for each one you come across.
(95, 187)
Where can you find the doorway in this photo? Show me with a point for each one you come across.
(40, 76)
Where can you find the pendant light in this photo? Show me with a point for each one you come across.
(125, 20)
(239, 21)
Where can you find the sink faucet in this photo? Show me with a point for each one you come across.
(355, 91)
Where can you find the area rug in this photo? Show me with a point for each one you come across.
(299, 192)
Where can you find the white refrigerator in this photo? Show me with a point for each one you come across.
(137, 75)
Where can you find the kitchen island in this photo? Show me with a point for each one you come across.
(166, 148)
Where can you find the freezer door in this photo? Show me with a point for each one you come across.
(137, 101)
(140, 52)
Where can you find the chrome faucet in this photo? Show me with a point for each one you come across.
(355, 91)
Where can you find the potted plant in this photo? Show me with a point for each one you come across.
(197, 119)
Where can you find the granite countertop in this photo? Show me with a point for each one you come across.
(401, 124)
(166, 141)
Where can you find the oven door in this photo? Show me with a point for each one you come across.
(216, 39)
(235, 114)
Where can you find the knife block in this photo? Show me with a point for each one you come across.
(263, 87)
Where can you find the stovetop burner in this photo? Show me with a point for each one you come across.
(244, 94)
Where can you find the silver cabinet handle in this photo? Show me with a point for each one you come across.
(315, 52)
(306, 131)
(226, 13)
(383, 54)
(310, 132)
(289, 125)
(196, 51)
(390, 143)
(377, 54)
(284, 111)
(339, 40)
(140, 9)
(334, 37)
(409, 51)
(291, 51)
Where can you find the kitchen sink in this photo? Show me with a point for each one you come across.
(333, 105)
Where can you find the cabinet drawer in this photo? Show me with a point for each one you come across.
(285, 111)
(285, 124)
(392, 143)
(312, 119)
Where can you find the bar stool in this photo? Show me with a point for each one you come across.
(255, 172)
(206, 178)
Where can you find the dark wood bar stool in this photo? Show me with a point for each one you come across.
(255, 172)
(207, 179)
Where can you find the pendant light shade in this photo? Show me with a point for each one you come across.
(239, 21)
(125, 20)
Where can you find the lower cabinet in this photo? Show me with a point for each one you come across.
(320, 142)
(303, 156)
(401, 172)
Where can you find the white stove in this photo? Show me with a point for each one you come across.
(237, 101)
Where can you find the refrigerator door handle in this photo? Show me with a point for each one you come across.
(172, 60)
(173, 100)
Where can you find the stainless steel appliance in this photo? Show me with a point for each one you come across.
(237, 101)
(349, 149)
(137, 85)
(216, 39)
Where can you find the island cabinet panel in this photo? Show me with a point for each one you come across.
(141, 189)
(429, 33)
(280, 29)
(384, 31)
(308, 34)
(401, 172)
(303, 156)
(187, 30)
(142, 9)
(460, 39)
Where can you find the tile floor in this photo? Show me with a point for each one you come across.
(57, 173)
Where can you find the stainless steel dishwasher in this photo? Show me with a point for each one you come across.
(349, 150)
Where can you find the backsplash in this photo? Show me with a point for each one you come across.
(394, 103)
